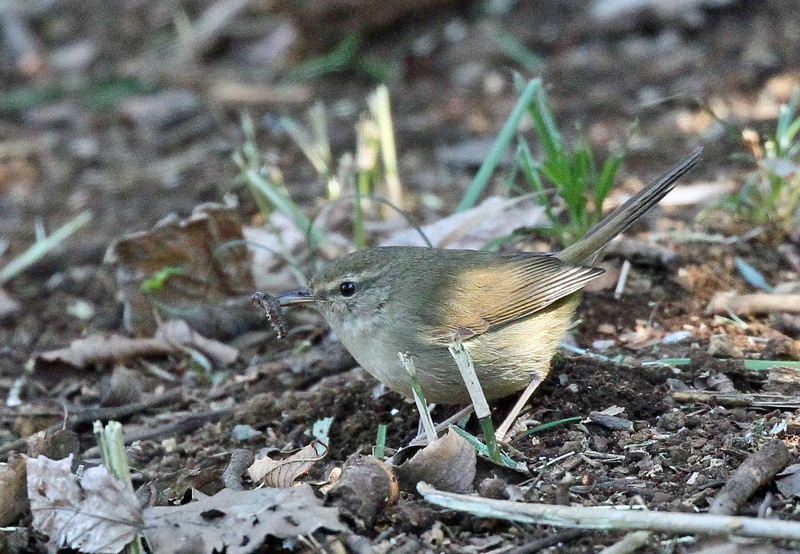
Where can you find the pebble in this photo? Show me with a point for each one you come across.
(672, 420)
(721, 346)
(241, 433)
(677, 337)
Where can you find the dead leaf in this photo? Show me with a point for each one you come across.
(177, 331)
(174, 337)
(788, 481)
(98, 349)
(449, 462)
(93, 513)
(472, 229)
(206, 262)
(13, 501)
(718, 382)
(283, 473)
(237, 522)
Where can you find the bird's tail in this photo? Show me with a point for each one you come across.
(625, 215)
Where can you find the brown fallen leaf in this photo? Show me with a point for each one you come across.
(91, 513)
(283, 473)
(237, 522)
(13, 500)
(449, 462)
(174, 337)
(178, 332)
(193, 266)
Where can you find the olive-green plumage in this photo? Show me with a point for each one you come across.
(511, 310)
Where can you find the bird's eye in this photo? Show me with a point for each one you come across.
(347, 288)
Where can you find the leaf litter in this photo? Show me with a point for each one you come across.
(91, 512)
(238, 522)
(283, 473)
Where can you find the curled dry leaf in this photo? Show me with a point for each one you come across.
(178, 332)
(192, 266)
(473, 228)
(364, 489)
(174, 337)
(97, 349)
(91, 513)
(450, 462)
(237, 522)
(283, 473)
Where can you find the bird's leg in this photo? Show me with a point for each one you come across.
(502, 431)
(421, 427)
(419, 439)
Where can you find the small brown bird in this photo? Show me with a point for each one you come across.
(510, 310)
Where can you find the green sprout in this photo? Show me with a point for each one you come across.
(771, 192)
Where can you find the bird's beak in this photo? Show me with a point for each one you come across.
(293, 297)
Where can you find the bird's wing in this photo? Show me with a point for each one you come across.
(479, 300)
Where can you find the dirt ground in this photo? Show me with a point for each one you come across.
(101, 113)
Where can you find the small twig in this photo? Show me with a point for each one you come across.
(758, 469)
(684, 236)
(737, 400)
(42, 247)
(90, 414)
(623, 279)
(556, 538)
(751, 304)
(180, 427)
(629, 543)
(609, 518)
(241, 459)
(765, 504)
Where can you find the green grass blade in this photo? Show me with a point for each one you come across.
(341, 57)
(546, 127)
(380, 442)
(499, 147)
(786, 116)
(531, 172)
(545, 426)
(36, 251)
(483, 449)
(606, 180)
(514, 49)
(282, 202)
